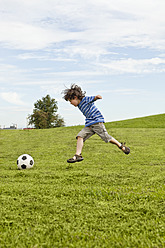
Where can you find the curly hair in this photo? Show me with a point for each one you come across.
(74, 90)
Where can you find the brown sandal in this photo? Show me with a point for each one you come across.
(127, 149)
(76, 158)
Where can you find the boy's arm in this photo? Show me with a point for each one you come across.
(97, 97)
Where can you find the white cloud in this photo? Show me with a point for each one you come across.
(137, 66)
(15, 109)
(124, 91)
(43, 57)
(28, 37)
(12, 97)
(6, 67)
(38, 24)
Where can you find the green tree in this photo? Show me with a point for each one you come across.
(44, 114)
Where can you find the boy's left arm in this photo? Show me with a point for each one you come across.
(97, 97)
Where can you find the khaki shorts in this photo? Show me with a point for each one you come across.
(97, 128)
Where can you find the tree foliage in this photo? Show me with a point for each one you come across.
(44, 114)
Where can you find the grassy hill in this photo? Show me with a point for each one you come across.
(154, 121)
(108, 200)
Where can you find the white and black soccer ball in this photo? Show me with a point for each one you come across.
(25, 161)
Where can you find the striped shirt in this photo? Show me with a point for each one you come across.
(90, 111)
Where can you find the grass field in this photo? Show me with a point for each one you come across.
(108, 200)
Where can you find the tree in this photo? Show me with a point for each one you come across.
(44, 114)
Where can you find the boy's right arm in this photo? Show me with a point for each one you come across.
(97, 97)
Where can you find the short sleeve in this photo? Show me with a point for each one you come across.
(89, 99)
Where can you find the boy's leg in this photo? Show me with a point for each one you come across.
(102, 132)
(122, 146)
(80, 144)
(77, 157)
(114, 141)
(82, 136)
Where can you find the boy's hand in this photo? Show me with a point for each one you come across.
(97, 97)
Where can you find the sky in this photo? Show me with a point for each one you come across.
(114, 48)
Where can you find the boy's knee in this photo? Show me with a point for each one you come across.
(79, 138)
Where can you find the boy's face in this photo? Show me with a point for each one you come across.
(75, 102)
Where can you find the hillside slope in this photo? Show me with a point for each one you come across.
(153, 121)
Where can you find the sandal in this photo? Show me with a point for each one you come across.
(76, 158)
(127, 149)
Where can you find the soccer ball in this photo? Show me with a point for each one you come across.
(25, 161)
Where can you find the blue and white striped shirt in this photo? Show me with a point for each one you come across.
(90, 111)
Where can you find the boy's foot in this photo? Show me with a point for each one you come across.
(76, 158)
(124, 148)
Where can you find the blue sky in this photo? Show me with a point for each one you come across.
(115, 48)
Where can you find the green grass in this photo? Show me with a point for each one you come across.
(108, 200)
(153, 121)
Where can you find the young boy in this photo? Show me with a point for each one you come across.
(94, 122)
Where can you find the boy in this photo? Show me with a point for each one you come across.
(94, 122)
